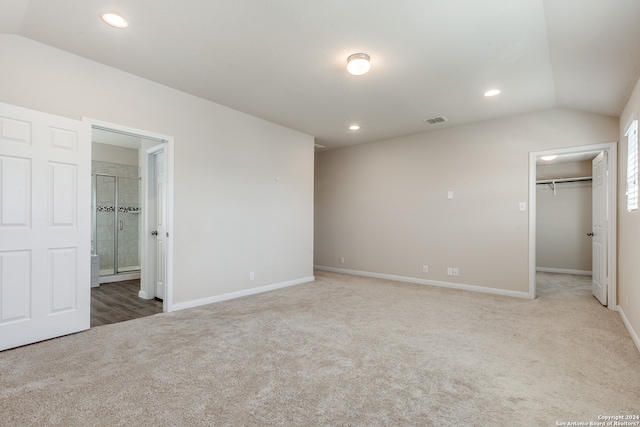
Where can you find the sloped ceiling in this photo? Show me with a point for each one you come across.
(284, 60)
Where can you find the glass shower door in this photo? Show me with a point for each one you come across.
(105, 230)
(128, 199)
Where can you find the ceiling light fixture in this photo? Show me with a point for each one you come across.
(354, 127)
(358, 64)
(548, 158)
(114, 19)
(492, 92)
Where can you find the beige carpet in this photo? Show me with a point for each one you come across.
(343, 350)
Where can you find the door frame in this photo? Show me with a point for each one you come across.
(612, 194)
(168, 141)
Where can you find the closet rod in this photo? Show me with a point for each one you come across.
(559, 180)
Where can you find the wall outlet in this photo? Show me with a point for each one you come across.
(626, 303)
(252, 276)
(341, 260)
(425, 268)
(449, 271)
(456, 272)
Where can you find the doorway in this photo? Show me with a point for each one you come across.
(142, 222)
(607, 205)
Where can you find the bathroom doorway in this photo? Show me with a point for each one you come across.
(115, 221)
(121, 212)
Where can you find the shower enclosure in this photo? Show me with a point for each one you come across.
(116, 225)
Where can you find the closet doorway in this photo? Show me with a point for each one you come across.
(572, 199)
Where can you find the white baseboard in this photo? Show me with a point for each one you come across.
(244, 293)
(564, 271)
(460, 286)
(634, 335)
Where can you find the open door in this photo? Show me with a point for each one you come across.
(160, 224)
(45, 230)
(599, 228)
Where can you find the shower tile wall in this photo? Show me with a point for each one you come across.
(128, 201)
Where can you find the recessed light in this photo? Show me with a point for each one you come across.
(358, 64)
(354, 127)
(492, 92)
(114, 19)
(548, 158)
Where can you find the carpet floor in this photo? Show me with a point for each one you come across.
(340, 351)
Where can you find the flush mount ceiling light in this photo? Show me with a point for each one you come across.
(492, 92)
(548, 158)
(358, 64)
(354, 127)
(114, 19)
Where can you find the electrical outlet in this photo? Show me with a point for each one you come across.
(252, 276)
(425, 268)
(626, 302)
(456, 272)
(341, 260)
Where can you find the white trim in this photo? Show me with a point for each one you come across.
(564, 271)
(450, 285)
(119, 277)
(238, 294)
(167, 304)
(632, 118)
(627, 324)
(612, 150)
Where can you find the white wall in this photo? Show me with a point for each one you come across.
(114, 154)
(231, 215)
(383, 206)
(562, 223)
(563, 219)
(628, 230)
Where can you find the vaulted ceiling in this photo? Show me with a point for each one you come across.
(284, 60)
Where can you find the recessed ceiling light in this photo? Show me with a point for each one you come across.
(114, 19)
(492, 92)
(358, 64)
(354, 127)
(548, 158)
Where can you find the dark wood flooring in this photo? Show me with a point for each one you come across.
(119, 301)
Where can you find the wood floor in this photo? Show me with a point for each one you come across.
(118, 301)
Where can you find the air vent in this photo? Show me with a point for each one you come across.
(435, 120)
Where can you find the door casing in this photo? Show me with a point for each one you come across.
(612, 156)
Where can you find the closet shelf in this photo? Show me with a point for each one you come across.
(560, 180)
(553, 182)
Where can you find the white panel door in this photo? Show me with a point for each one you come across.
(599, 228)
(161, 224)
(45, 170)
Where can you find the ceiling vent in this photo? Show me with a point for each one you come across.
(435, 120)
